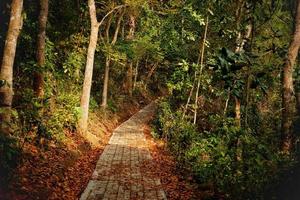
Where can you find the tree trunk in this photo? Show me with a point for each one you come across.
(131, 27)
(136, 74)
(130, 36)
(240, 48)
(123, 30)
(190, 96)
(87, 84)
(237, 111)
(287, 86)
(6, 91)
(226, 102)
(107, 63)
(38, 83)
(200, 71)
(105, 83)
(108, 24)
(130, 79)
(114, 40)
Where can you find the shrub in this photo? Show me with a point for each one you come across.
(238, 162)
(9, 154)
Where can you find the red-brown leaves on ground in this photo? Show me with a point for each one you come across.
(61, 171)
(176, 183)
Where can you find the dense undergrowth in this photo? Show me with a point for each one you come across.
(235, 162)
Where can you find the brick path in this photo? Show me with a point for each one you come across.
(118, 173)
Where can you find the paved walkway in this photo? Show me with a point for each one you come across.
(119, 173)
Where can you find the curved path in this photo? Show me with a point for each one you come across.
(119, 173)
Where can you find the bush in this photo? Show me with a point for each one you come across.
(46, 118)
(9, 155)
(65, 114)
(238, 162)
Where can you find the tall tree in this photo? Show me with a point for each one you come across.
(239, 48)
(107, 63)
(6, 75)
(130, 36)
(87, 84)
(287, 85)
(38, 83)
(201, 56)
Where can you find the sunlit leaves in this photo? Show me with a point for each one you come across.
(194, 15)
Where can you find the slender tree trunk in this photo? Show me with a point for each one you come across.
(108, 24)
(130, 79)
(189, 97)
(118, 25)
(107, 66)
(131, 27)
(107, 63)
(105, 84)
(287, 86)
(135, 74)
(237, 111)
(87, 84)
(123, 30)
(151, 72)
(194, 82)
(240, 48)
(38, 84)
(226, 102)
(6, 91)
(130, 36)
(200, 71)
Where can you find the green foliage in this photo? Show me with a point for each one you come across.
(65, 114)
(227, 66)
(236, 161)
(112, 106)
(47, 118)
(180, 78)
(9, 153)
(73, 64)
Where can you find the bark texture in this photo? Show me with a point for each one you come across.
(287, 86)
(38, 83)
(6, 91)
(87, 84)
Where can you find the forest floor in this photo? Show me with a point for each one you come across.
(63, 171)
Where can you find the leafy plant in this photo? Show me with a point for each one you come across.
(238, 162)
